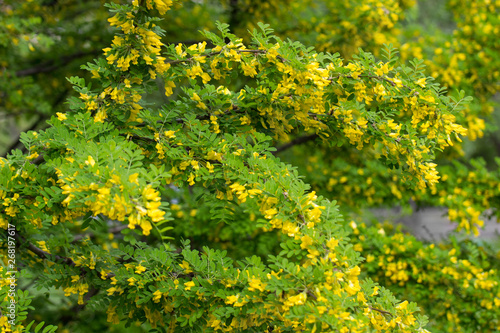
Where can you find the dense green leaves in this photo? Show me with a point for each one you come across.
(167, 197)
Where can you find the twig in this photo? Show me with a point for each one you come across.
(41, 118)
(211, 54)
(16, 141)
(331, 78)
(78, 307)
(50, 66)
(296, 141)
(113, 230)
(381, 311)
(310, 293)
(45, 255)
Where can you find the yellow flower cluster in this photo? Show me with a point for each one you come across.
(109, 200)
(78, 287)
(242, 193)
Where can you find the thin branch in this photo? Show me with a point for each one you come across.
(91, 235)
(39, 160)
(45, 255)
(57, 258)
(13, 114)
(210, 45)
(66, 318)
(310, 294)
(52, 65)
(92, 292)
(174, 62)
(41, 118)
(381, 78)
(234, 14)
(381, 311)
(17, 142)
(496, 143)
(296, 141)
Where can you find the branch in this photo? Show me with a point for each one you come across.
(382, 78)
(92, 292)
(113, 230)
(13, 114)
(496, 143)
(16, 141)
(45, 255)
(296, 141)
(310, 294)
(174, 62)
(234, 14)
(58, 259)
(66, 318)
(210, 45)
(52, 65)
(381, 311)
(41, 118)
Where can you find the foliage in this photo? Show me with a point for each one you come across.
(158, 202)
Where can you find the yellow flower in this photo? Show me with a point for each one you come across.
(232, 299)
(139, 269)
(178, 50)
(256, 284)
(150, 194)
(169, 85)
(112, 315)
(421, 82)
(189, 285)
(157, 296)
(353, 287)
(402, 306)
(61, 116)
(269, 213)
(110, 291)
(146, 225)
(33, 156)
(148, 59)
(332, 243)
(186, 267)
(169, 134)
(306, 241)
(296, 300)
(90, 161)
(191, 179)
(133, 178)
